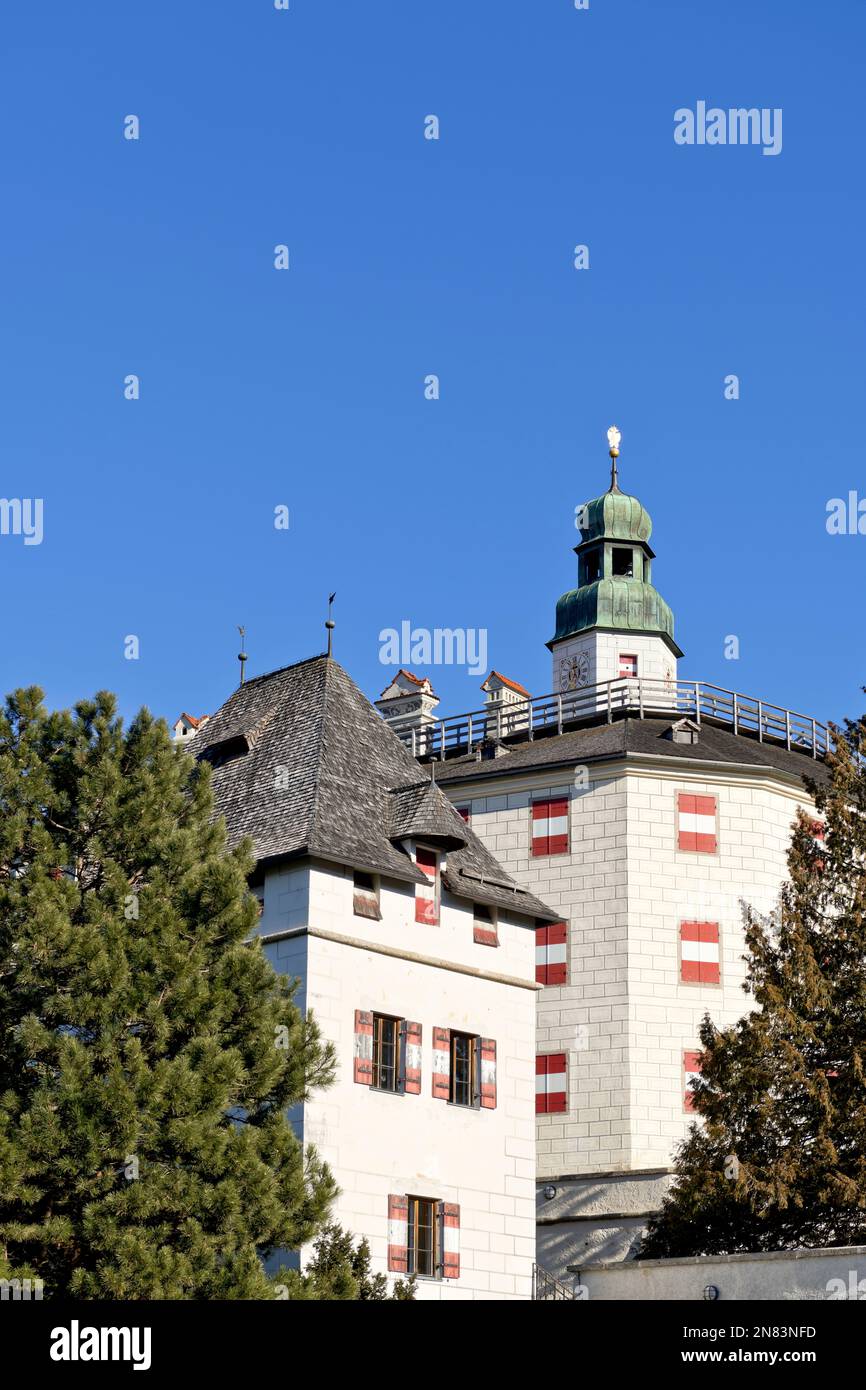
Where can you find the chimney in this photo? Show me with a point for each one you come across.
(407, 704)
(186, 726)
(507, 704)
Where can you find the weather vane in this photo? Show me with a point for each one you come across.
(242, 656)
(329, 622)
(613, 439)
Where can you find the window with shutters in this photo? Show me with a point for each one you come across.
(551, 1083)
(696, 823)
(627, 664)
(551, 967)
(465, 1069)
(365, 895)
(423, 1237)
(700, 953)
(484, 931)
(549, 826)
(691, 1072)
(386, 1053)
(427, 893)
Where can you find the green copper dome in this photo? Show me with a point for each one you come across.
(629, 605)
(614, 573)
(615, 516)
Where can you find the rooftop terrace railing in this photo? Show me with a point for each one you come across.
(566, 710)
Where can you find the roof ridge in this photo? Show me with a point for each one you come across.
(320, 751)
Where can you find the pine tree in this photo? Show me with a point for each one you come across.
(148, 1052)
(339, 1270)
(778, 1159)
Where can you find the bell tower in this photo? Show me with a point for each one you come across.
(614, 626)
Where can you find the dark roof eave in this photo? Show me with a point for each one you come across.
(625, 631)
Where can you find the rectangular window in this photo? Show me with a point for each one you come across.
(700, 953)
(465, 1068)
(465, 812)
(423, 1237)
(551, 1085)
(549, 826)
(386, 1053)
(696, 823)
(427, 894)
(365, 895)
(484, 931)
(550, 947)
(691, 1070)
(591, 567)
(623, 562)
(627, 664)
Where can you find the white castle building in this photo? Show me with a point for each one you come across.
(416, 951)
(643, 808)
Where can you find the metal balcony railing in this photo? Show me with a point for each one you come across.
(545, 1288)
(548, 714)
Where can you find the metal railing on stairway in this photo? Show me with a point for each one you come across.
(546, 1288)
(547, 714)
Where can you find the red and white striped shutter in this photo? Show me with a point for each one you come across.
(696, 823)
(441, 1063)
(488, 1074)
(550, 1083)
(484, 930)
(426, 894)
(550, 826)
(819, 833)
(627, 665)
(699, 953)
(550, 962)
(450, 1240)
(691, 1070)
(363, 1070)
(398, 1233)
(412, 1058)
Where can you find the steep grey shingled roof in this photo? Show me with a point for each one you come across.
(601, 742)
(303, 764)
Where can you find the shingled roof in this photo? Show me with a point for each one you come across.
(632, 738)
(304, 765)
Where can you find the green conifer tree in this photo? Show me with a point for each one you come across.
(778, 1157)
(340, 1270)
(148, 1052)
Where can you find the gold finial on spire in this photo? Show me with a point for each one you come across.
(613, 440)
(242, 656)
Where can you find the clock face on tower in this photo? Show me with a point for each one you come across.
(574, 672)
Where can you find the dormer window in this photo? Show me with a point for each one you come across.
(623, 562)
(365, 895)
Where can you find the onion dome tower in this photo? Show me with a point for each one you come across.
(614, 625)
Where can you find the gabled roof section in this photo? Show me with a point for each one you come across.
(505, 680)
(403, 683)
(322, 774)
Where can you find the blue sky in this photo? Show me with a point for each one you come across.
(408, 257)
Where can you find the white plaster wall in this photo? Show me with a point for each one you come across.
(381, 1143)
(624, 1018)
(800, 1275)
(655, 660)
(667, 886)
